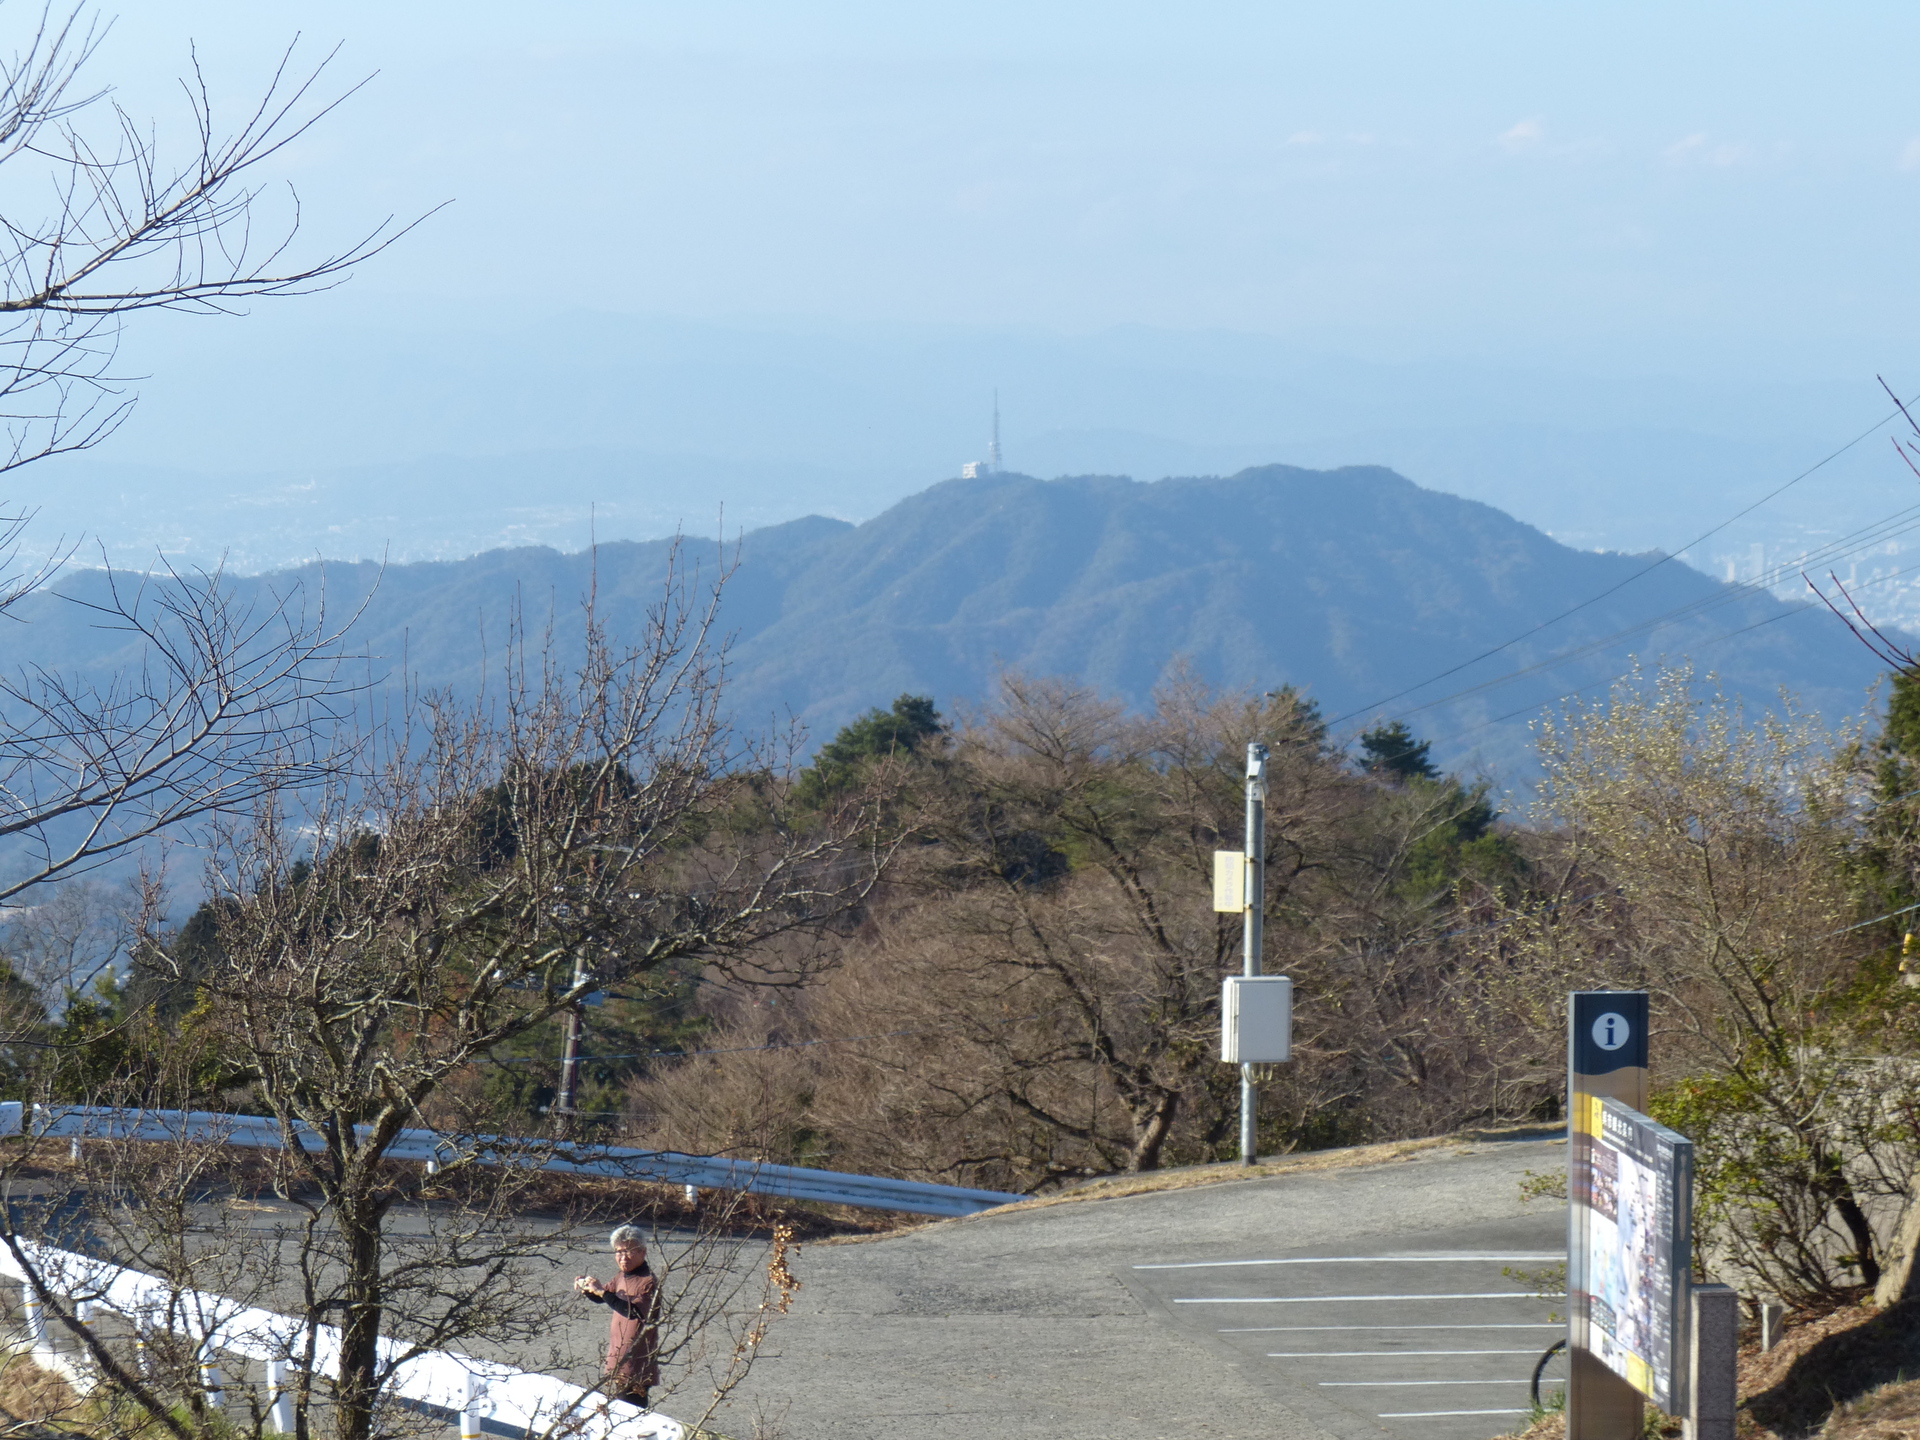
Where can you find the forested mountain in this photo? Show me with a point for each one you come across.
(1352, 584)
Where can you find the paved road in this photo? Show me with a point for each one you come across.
(1156, 1315)
(1036, 1325)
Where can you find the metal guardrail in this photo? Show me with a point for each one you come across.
(485, 1394)
(706, 1172)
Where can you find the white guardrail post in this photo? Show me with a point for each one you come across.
(442, 1381)
(211, 1380)
(279, 1398)
(470, 1412)
(459, 1387)
(34, 1322)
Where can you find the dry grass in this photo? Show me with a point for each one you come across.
(32, 1399)
(1827, 1367)
(1890, 1413)
(1549, 1427)
(1554, 1427)
(1112, 1187)
(1837, 1375)
(1115, 1187)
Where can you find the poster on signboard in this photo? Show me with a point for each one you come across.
(1633, 1177)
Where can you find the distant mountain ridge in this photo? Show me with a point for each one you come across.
(1353, 584)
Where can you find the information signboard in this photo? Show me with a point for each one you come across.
(1627, 1282)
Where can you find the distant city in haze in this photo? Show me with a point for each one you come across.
(844, 425)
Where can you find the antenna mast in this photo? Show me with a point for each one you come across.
(993, 447)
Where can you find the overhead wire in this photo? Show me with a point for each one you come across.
(1664, 559)
(1875, 533)
(757, 1049)
(1704, 644)
(1609, 679)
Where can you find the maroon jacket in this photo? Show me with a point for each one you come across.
(633, 1347)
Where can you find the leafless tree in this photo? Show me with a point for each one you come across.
(1709, 858)
(1037, 998)
(481, 1270)
(231, 701)
(69, 937)
(98, 221)
(489, 864)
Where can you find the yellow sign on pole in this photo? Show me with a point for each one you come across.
(1230, 881)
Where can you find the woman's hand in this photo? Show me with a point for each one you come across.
(587, 1285)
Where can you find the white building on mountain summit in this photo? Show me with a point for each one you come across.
(974, 469)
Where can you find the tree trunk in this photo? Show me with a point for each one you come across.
(1150, 1130)
(1862, 1231)
(1840, 1194)
(359, 1376)
(1900, 1276)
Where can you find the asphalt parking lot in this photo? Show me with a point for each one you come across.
(1036, 1323)
(1437, 1338)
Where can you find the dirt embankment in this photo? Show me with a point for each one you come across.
(1846, 1374)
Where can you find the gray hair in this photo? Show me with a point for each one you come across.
(628, 1235)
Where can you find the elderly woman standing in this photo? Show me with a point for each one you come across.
(633, 1347)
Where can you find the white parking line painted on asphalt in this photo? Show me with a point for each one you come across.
(1476, 1344)
(1455, 1259)
(1436, 1414)
(1375, 1384)
(1380, 1354)
(1278, 1329)
(1351, 1299)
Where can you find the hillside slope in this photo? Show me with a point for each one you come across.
(1353, 584)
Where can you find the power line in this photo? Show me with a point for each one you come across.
(1622, 584)
(1595, 685)
(1900, 522)
(1583, 689)
(757, 1049)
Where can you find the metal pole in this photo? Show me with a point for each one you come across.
(470, 1412)
(563, 1104)
(1255, 914)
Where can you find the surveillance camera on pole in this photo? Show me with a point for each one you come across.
(1256, 1011)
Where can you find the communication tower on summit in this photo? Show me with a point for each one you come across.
(974, 469)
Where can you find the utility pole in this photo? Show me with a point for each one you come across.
(563, 1103)
(566, 1103)
(1256, 863)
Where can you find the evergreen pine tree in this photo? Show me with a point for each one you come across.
(1391, 751)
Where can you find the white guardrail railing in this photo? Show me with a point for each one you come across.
(703, 1172)
(485, 1395)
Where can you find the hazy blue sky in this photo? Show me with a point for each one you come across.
(1559, 257)
(1732, 188)
(1619, 269)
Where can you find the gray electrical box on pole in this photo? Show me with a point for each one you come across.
(1256, 1019)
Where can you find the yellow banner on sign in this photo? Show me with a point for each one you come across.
(1640, 1375)
(1229, 881)
(1586, 1113)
